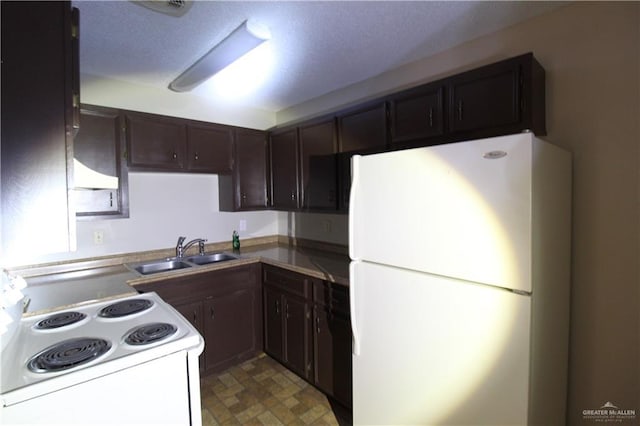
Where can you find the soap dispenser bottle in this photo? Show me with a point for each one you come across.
(235, 241)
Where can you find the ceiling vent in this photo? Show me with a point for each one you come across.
(175, 8)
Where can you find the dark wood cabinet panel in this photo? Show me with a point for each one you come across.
(246, 188)
(501, 98)
(284, 170)
(192, 312)
(318, 165)
(209, 148)
(273, 327)
(417, 114)
(297, 321)
(332, 354)
(229, 322)
(37, 126)
(155, 143)
(363, 128)
(100, 146)
(225, 304)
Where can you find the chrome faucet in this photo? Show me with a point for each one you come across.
(180, 249)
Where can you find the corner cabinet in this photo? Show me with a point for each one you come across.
(39, 102)
(307, 329)
(318, 166)
(224, 306)
(285, 191)
(245, 188)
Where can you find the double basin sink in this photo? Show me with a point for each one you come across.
(175, 263)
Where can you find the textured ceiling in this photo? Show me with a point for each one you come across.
(317, 46)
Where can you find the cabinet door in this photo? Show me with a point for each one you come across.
(155, 143)
(284, 170)
(99, 145)
(486, 98)
(318, 166)
(192, 312)
(251, 169)
(417, 115)
(209, 148)
(332, 355)
(363, 128)
(273, 336)
(229, 326)
(297, 336)
(36, 128)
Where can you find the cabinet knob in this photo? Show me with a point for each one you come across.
(174, 156)
(195, 157)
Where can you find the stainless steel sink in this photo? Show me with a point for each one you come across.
(210, 258)
(164, 266)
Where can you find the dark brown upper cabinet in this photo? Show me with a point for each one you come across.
(99, 146)
(160, 143)
(497, 99)
(37, 126)
(417, 114)
(246, 187)
(155, 142)
(209, 148)
(285, 193)
(318, 165)
(363, 128)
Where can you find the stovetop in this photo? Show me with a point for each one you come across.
(59, 349)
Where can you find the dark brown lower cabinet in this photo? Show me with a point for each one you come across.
(287, 330)
(225, 308)
(307, 329)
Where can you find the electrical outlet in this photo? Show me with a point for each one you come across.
(243, 225)
(98, 237)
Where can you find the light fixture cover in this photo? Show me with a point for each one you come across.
(242, 40)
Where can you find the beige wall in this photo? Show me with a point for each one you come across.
(591, 55)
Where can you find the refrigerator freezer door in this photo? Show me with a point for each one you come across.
(461, 210)
(434, 350)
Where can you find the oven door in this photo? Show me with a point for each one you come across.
(154, 392)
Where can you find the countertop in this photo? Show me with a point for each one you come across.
(61, 290)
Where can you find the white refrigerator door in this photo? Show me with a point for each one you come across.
(461, 210)
(430, 350)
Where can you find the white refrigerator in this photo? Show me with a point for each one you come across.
(459, 283)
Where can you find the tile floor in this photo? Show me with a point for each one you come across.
(262, 392)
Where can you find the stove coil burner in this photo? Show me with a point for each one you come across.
(150, 333)
(68, 354)
(60, 320)
(126, 307)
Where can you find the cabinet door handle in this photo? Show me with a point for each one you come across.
(430, 117)
(174, 156)
(318, 325)
(195, 316)
(286, 307)
(277, 307)
(293, 196)
(195, 157)
(212, 313)
(460, 110)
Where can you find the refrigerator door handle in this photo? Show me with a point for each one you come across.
(352, 307)
(355, 184)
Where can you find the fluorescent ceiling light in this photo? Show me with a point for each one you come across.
(242, 40)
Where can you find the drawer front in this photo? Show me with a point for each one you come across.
(291, 282)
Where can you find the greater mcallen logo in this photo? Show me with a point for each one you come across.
(609, 413)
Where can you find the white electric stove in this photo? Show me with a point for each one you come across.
(128, 360)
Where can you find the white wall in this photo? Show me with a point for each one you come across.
(164, 206)
(119, 94)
